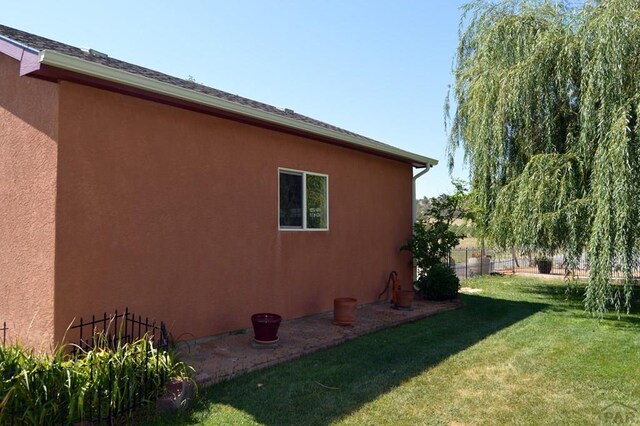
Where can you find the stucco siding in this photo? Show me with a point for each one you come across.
(28, 160)
(175, 215)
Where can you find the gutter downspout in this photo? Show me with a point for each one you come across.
(413, 208)
(413, 193)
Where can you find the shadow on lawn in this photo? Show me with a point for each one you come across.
(328, 385)
(569, 300)
(570, 296)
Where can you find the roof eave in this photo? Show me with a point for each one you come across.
(95, 70)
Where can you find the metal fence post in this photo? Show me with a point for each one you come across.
(466, 262)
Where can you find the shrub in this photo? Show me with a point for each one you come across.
(440, 283)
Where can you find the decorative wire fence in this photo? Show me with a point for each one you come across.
(467, 263)
(116, 328)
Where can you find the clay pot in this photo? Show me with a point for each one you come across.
(344, 310)
(404, 298)
(265, 327)
(544, 266)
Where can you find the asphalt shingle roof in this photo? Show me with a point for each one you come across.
(39, 44)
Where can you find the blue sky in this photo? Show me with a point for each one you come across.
(378, 68)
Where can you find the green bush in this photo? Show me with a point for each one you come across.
(433, 238)
(440, 283)
(61, 389)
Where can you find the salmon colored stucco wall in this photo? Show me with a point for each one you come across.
(28, 159)
(175, 215)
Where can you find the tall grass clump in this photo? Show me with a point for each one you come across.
(103, 383)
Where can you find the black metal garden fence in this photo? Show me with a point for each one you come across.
(467, 263)
(117, 328)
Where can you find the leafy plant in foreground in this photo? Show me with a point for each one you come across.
(58, 388)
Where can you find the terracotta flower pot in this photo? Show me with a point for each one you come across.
(265, 327)
(344, 310)
(404, 298)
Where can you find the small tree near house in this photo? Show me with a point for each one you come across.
(432, 241)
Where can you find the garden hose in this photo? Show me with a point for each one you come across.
(391, 282)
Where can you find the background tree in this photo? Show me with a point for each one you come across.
(546, 111)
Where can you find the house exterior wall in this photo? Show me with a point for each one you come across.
(28, 161)
(174, 214)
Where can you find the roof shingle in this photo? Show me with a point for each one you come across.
(40, 44)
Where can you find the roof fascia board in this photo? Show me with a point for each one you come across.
(29, 60)
(70, 63)
(10, 49)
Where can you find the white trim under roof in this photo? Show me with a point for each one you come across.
(103, 72)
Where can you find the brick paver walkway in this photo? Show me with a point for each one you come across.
(222, 357)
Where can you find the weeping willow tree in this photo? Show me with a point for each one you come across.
(547, 98)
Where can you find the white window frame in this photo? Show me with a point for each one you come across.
(304, 174)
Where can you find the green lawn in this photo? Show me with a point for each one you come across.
(519, 352)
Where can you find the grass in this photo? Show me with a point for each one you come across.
(519, 352)
(468, 242)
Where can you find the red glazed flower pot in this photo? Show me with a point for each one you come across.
(265, 327)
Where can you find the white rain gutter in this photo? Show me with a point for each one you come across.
(413, 193)
(413, 210)
(103, 72)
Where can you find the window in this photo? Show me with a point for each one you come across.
(304, 200)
